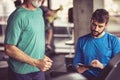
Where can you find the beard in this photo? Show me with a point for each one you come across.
(36, 3)
(96, 33)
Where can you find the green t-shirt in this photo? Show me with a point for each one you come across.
(25, 29)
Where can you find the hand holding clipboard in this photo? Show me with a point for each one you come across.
(87, 66)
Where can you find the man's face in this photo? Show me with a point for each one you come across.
(97, 28)
(36, 3)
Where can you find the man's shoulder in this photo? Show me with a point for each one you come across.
(111, 38)
(85, 36)
(110, 35)
(18, 15)
(18, 11)
(83, 39)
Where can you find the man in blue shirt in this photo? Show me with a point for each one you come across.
(96, 48)
(25, 43)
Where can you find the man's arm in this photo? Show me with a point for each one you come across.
(97, 64)
(49, 38)
(16, 53)
(79, 59)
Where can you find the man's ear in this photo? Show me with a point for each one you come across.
(106, 24)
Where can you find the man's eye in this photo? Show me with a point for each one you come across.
(100, 26)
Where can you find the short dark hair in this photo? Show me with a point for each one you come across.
(100, 15)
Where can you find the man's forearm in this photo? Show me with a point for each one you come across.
(19, 55)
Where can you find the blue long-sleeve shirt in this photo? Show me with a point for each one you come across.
(89, 48)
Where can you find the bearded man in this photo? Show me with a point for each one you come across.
(25, 43)
(96, 48)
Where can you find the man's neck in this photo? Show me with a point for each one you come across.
(102, 34)
(28, 6)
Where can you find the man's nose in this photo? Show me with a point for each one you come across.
(96, 28)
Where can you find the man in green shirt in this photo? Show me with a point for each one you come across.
(25, 43)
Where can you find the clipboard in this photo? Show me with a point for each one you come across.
(86, 66)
